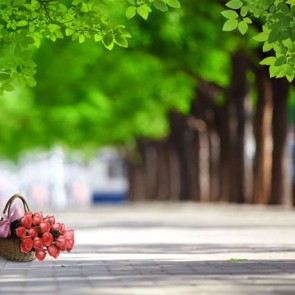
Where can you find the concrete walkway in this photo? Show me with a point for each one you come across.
(158, 249)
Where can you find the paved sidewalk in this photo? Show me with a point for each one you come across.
(171, 249)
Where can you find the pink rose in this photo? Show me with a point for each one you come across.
(44, 227)
(37, 218)
(50, 219)
(21, 232)
(61, 243)
(40, 254)
(53, 251)
(58, 227)
(38, 243)
(26, 220)
(55, 227)
(69, 233)
(26, 244)
(33, 232)
(70, 244)
(47, 238)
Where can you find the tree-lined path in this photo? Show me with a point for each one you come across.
(166, 249)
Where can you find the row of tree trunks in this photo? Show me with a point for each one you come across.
(203, 158)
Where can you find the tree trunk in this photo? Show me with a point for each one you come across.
(214, 167)
(136, 191)
(186, 144)
(279, 133)
(262, 128)
(225, 176)
(237, 93)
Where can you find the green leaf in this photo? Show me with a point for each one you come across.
(30, 81)
(69, 32)
(267, 47)
(243, 27)
(244, 11)
(28, 63)
(274, 71)
(280, 61)
(22, 23)
(121, 41)
(130, 12)
(288, 70)
(84, 7)
(97, 37)
(247, 20)
(160, 5)
(268, 61)
(274, 35)
(234, 4)
(107, 39)
(230, 14)
(230, 25)
(290, 78)
(173, 3)
(76, 2)
(143, 10)
(284, 8)
(82, 38)
(29, 71)
(291, 61)
(261, 37)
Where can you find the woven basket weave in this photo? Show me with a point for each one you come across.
(10, 247)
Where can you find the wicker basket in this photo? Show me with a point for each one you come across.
(10, 247)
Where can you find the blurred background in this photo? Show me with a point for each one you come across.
(185, 113)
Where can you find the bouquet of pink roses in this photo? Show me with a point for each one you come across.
(32, 233)
(42, 235)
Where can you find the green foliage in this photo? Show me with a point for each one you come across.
(144, 7)
(24, 23)
(124, 95)
(277, 34)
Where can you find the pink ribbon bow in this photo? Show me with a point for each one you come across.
(16, 212)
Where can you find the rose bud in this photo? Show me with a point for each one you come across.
(70, 244)
(40, 254)
(53, 251)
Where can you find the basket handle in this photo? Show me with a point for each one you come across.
(10, 202)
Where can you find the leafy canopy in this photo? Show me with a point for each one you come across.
(24, 23)
(275, 19)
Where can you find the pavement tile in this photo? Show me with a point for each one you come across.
(166, 249)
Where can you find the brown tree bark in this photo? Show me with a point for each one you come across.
(136, 183)
(262, 128)
(279, 133)
(185, 141)
(236, 99)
